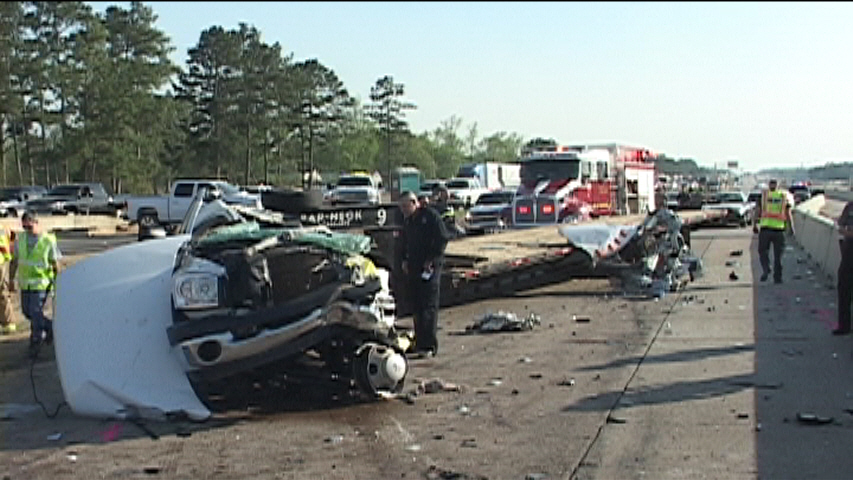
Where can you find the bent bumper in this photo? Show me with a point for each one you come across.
(222, 344)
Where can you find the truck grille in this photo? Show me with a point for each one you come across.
(353, 196)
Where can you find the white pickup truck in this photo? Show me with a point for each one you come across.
(163, 210)
(354, 189)
(464, 191)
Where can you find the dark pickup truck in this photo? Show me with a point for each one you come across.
(83, 198)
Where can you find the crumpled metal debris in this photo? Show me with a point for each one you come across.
(654, 259)
(504, 322)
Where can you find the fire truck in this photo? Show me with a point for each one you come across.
(568, 183)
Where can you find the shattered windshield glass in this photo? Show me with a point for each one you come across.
(347, 243)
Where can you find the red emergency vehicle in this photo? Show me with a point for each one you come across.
(567, 183)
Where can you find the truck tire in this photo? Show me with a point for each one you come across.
(147, 219)
(292, 201)
(150, 232)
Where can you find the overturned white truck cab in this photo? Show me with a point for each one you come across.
(140, 329)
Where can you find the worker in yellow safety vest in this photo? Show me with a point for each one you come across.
(446, 211)
(774, 218)
(35, 259)
(7, 320)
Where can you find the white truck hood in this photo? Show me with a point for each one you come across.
(112, 352)
(243, 198)
(595, 239)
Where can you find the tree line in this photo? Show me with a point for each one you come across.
(89, 96)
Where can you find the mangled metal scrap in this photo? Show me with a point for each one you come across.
(651, 258)
(242, 291)
(503, 322)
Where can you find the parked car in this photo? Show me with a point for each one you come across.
(83, 198)
(464, 191)
(492, 212)
(672, 200)
(738, 209)
(13, 200)
(430, 187)
(355, 189)
(755, 198)
(690, 200)
(801, 193)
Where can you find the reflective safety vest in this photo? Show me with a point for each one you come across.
(34, 269)
(445, 211)
(448, 213)
(4, 242)
(773, 210)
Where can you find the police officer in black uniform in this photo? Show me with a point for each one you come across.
(423, 241)
(845, 270)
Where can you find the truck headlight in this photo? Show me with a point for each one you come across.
(196, 290)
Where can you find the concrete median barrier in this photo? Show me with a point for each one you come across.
(818, 235)
(62, 223)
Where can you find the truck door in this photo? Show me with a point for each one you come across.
(84, 200)
(180, 200)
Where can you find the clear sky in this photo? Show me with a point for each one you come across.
(767, 84)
